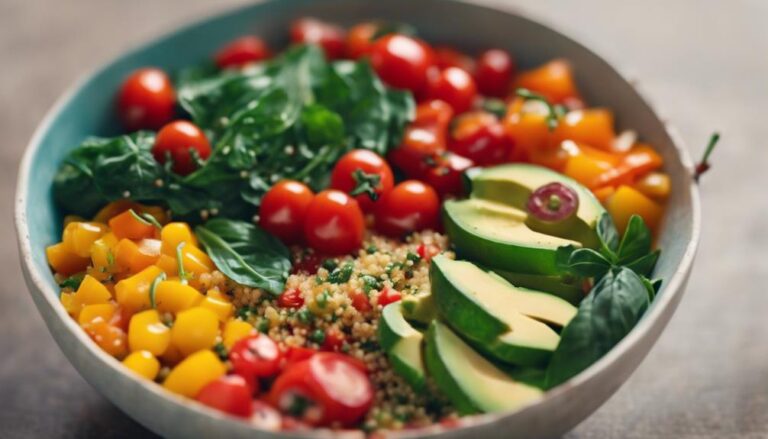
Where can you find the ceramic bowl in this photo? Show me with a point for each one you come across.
(88, 108)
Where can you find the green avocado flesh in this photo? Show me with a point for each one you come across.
(567, 289)
(472, 383)
(402, 343)
(494, 316)
(419, 308)
(492, 226)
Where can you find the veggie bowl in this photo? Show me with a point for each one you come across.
(359, 222)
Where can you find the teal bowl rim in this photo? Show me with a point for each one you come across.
(672, 290)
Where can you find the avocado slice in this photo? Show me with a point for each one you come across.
(419, 308)
(492, 226)
(568, 289)
(402, 343)
(472, 383)
(487, 311)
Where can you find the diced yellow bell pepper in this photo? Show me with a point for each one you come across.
(195, 329)
(136, 256)
(64, 261)
(174, 296)
(68, 219)
(218, 303)
(147, 333)
(68, 303)
(196, 261)
(192, 374)
(79, 236)
(174, 234)
(168, 264)
(103, 311)
(102, 253)
(109, 337)
(235, 330)
(627, 201)
(127, 225)
(90, 292)
(143, 363)
(655, 185)
(133, 292)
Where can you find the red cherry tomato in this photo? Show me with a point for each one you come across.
(410, 206)
(495, 68)
(427, 251)
(388, 296)
(256, 355)
(242, 51)
(358, 166)
(448, 57)
(327, 388)
(146, 100)
(295, 354)
(290, 299)
(265, 417)
(480, 137)
(334, 224)
(230, 394)
(445, 174)
(454, 86)
(178, 139)
(402, 61)
(423, 138)
(326, 35)
(334, 339)
(359, 41)
(283, 210)
(360, 301)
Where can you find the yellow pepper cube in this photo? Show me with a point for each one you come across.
(143, 363)
(79, 236)
(135, 256)
(91, 292)
(656, 185)
(89, 313)
(174, 296)
(102, 253)
(133, 292)
(219, 304)
(64, 261)
(236, 330)
(196, 261)
(195, 329)
(68, 303)
(627, 202)
(168, 264)
(192, 374)
(147, 333)
(174, 234)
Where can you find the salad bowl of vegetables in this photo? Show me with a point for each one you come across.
(324, 218)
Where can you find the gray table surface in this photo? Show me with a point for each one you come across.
(703, 61)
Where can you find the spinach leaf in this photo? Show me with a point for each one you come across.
(588, 263)
(246, 254)
(605, 316)
(636, 242)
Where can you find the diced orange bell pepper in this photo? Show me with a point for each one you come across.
(637, 162)
(117, 207)
(64, 261)
(174, 234)
(527, 131)
(136, 256)
(109, 338)
(79, 236)
(89, 313)
(68, 219)
(68, 303)
(168, 264)
(126, 225)
(603, 193)
(655, 185)
(133, 292)
(585, 163)
(554, 80)
(556, 156)
(192, 374)
(592, 126)
(627, 201)
(90, 292)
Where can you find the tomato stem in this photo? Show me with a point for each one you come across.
(703, 166)
(365, 184)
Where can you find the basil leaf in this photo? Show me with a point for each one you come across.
(604, 318)
(636, 242)
(645, 264)
(608, 236)
(246, 254)
(588, 263)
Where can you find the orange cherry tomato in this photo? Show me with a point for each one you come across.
(242, 51)
(454, 86)
(362, 169)
(283, 210)
(146, 100)
(408, 207)
(176, 141)
(359, 39)
(402, 61)
(329, 37)
(334, 223)
(554, 80)
(493, 75)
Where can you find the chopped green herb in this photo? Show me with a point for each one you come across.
(305, 316)
(180, 262)
(263, 326)
(322, 299)
(110, 258)
(317, 336)
(221, 351)
(153, 289)
(341, 274)
(72, 282)
(370, 283)
(145, 218)
(329, 264)
(371, 249)
(243, 312)
(413, 257)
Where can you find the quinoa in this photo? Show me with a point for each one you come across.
(381, 266)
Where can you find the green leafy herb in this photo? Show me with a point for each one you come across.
(605, 316)
(73, 282)
(146, 218)
(180, 262)
(370, 283)
(305, 316)
(371, 249)
(153, 289)
(246, 254)
(554, 112)
(341, 274)
(221, 351)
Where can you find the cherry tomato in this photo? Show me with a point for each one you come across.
(360, 301)
(265, 417)
(480, 137)
(295, 354)
(256, 355)
(410, 206)
(178, 139)
(454, 86)
(291, 299)
(146, 100)
(427, 251)
(388, 296)
(242, 51)
(326, 35)
(334, 224)
(362, 169)
(423, 138)
(448, 57)
(445, 173)
(495, 68)
(359, 41)
(334, 339)
(283, 210)
(230, 394)
(327, 388)
(402, 61)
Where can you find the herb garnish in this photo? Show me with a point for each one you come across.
(145, 218)
(554, 112)
(73, 282)
(153, 290)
